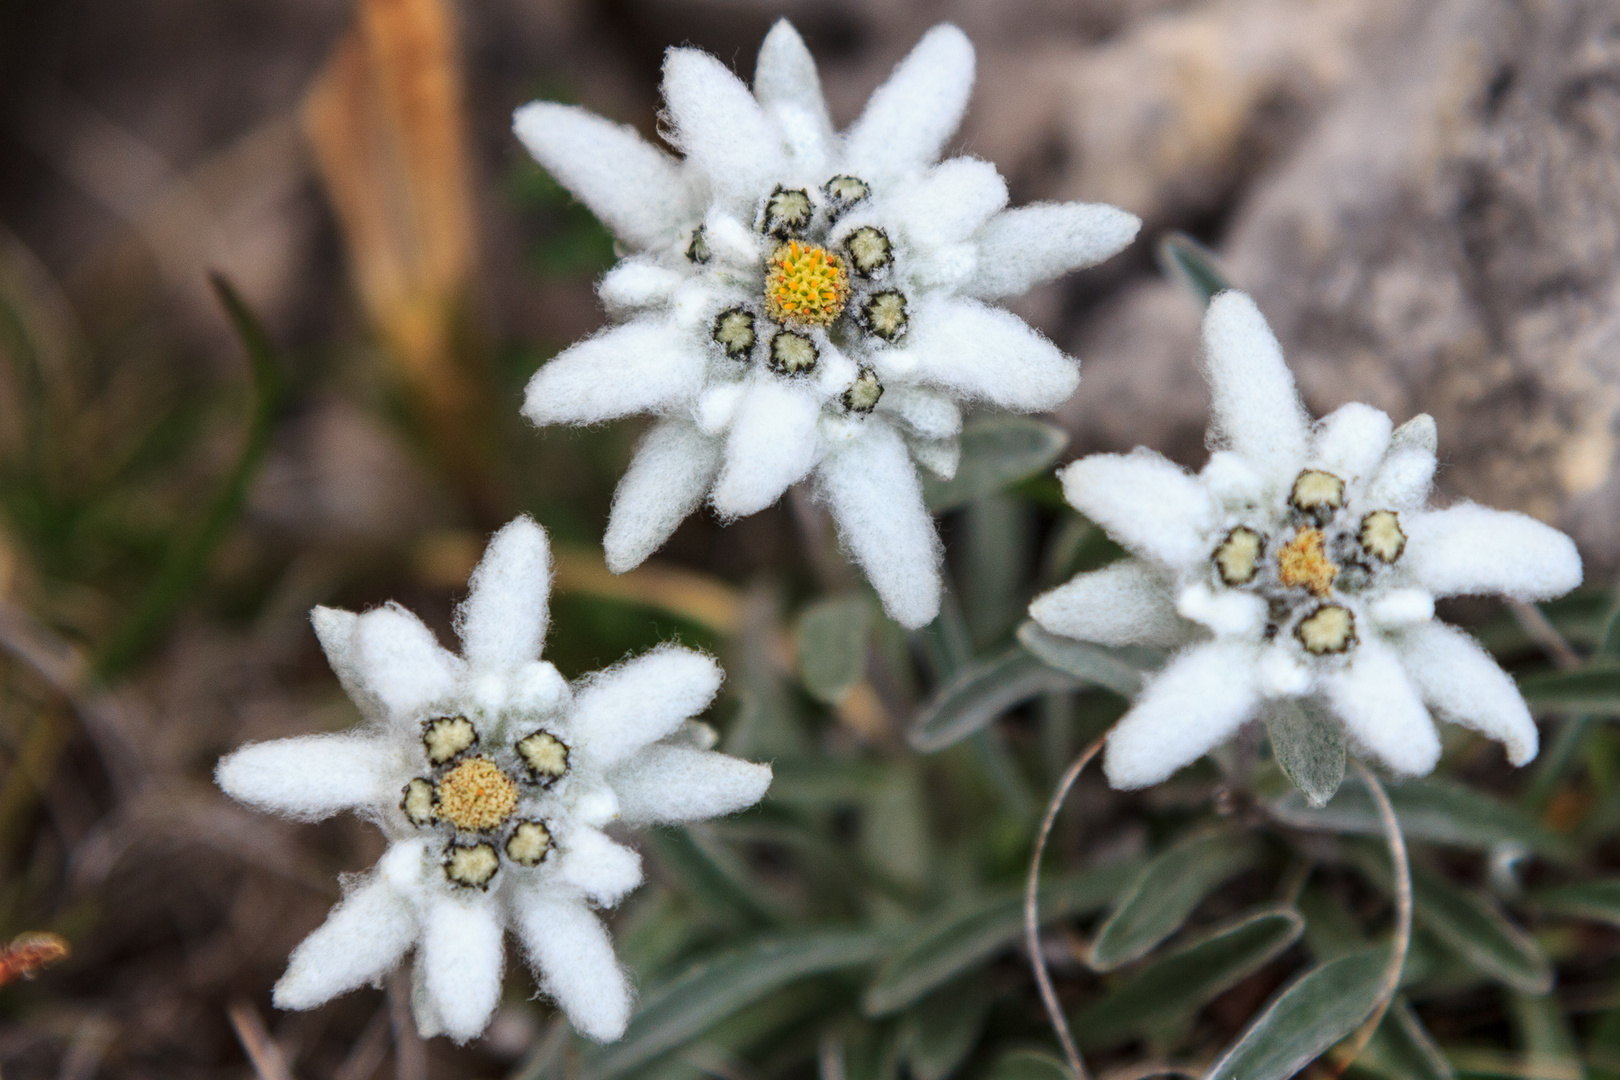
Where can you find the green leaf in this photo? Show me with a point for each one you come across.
(1119, 670)
(997, 451)
(894, 838)
(1435, 810)
(1595, 900)
(714, 989)
(1403, 1049)
(1185, 979)
(978, 694)
(1167, 891)
(940, 1031)
(716, 879)
(1312, 1013)
(1029, 1065)
(832, 637)
(1594, 690)
(970, 932)
(1185, 260)
(1545, 1037)
(1475, 929)
(1309, 747)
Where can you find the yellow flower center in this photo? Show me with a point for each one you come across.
(476, 796)
(805, 285)
(1304, 562)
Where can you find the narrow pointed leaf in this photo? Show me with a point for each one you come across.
(939, 1032)
(971, 932)
(714, 989)
(1312, 1013)
(832, 638)
(996, 452)
(1309, 747)
(1184, 980)
(1476, 930)
(1159, 901)
(1436, 810)
(1119, 670)
(980, 693)
(1403, 1049)
(1184, 259)
(1029, 1065)
(1595, 900)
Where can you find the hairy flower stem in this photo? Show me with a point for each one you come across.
(1357, 1042)
(1032, 917)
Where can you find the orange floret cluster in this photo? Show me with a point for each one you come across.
(805, 285)
(1303, 561)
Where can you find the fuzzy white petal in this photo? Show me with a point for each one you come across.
(1228, 612)
(1351, 440)
(910, 116)
(598, 867)
(635, 367)
(928, 413)
(950, 201)
(985, 352)
(1231, 480)
(939, 456)
(674, 465)
(1407, 472)
(573, 960)
(1381, 710)
(1401, 607)
(1470, 549)
(772, 446)
(789, 90)
(638, 283)
(1464, 685)
(502, 622)
(1022, 247)
(1254, 407)
(871, 488)
(361, 940)
(307, 778)
(1127, 603)
(461, 962)
(1188, 709)
(337, 630)
(622, 709)
(720, 127)
(405, 665)
(679, 783)
(634, 188)
(1145, 502)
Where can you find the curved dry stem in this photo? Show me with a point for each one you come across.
(1032, 919)
(1402, 868)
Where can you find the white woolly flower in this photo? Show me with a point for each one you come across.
(492, 778)
(797, 302)
(1303, 561)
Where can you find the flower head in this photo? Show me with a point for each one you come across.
(1302, 562)
(491, 778)
(796, 302)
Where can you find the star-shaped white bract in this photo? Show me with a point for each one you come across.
(796, 302)
(1302, 562)
(492, 778)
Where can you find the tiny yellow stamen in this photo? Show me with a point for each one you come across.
(1328, 629)
(1381, 535)
(787, 211)
(477, 795)
(869, 249)
(545, 755)
(447, 736)
(1237, 560)
(471, 865)
(863, 394)
(1304, 562)
(1317, 492)
(885, 315)
(529, 843)
(805, 285)
(734, 332)
(792, 354)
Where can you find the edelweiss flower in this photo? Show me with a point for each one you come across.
(799, 301)
(491, 778)
(1302, 562)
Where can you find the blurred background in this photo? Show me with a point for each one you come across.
(274, 272)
